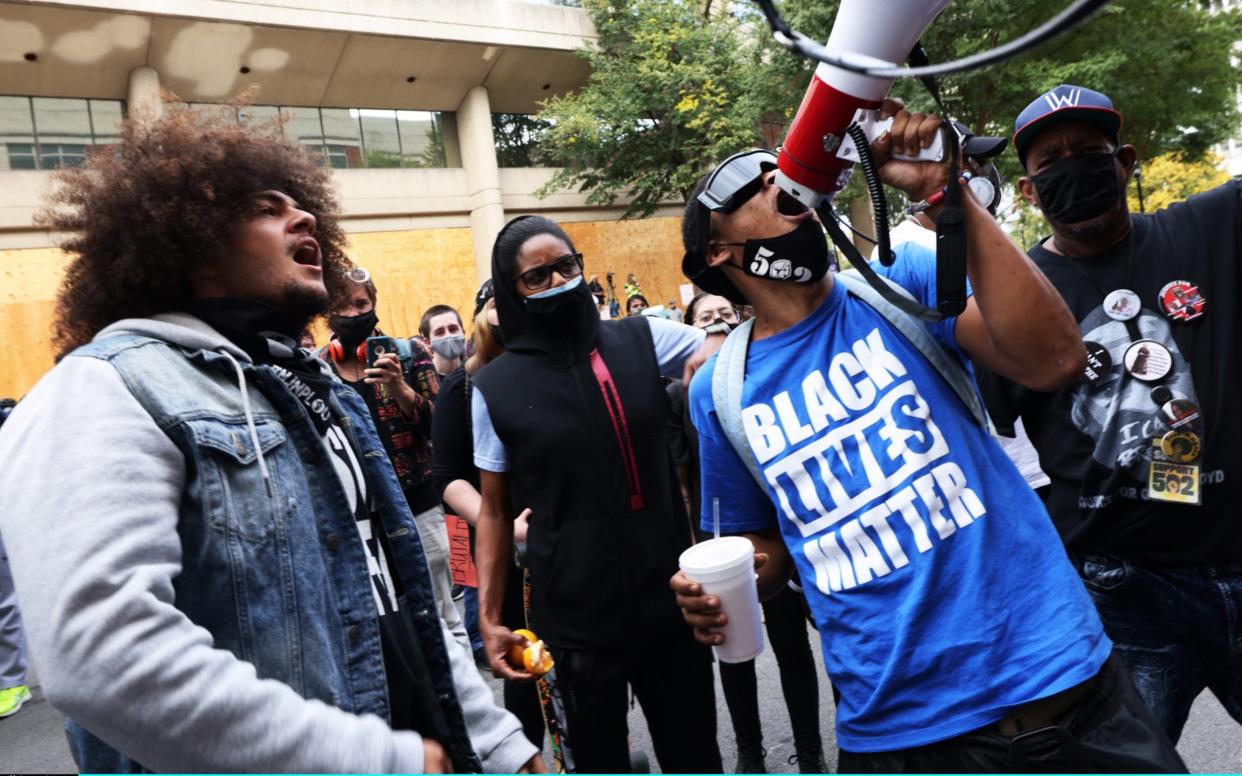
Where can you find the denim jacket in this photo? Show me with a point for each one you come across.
(272, 565)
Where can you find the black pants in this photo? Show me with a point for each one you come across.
(672, 679)
(1109, 731)
(784, 617)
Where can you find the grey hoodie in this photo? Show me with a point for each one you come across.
(89, 503)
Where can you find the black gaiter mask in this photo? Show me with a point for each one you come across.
(562, 309)
(497, 336)
(801, 256)
(1079, 187)
(352, 331)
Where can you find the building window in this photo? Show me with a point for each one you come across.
(422, 138)
(55, 155)
(304, 126)
(342, 134)
(21, 156)
(347, 138)
(381, 138)
(257, 114)
(106, 118)
(45, 133)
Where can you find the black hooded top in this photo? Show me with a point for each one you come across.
(607, 526)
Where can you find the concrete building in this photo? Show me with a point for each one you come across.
(398, 96)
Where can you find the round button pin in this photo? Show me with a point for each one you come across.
(1181, 300)
(1181, 446)
(1099, 363)
(1179, 413)
(1161, 395)
(1122, 305)
(1148, 360)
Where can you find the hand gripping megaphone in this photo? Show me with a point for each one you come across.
(818, 156)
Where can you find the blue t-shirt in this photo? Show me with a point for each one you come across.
(941, 590)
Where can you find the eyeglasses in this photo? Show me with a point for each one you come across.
(706, 317)
(736, 180)
(357, 275)
(539, 278)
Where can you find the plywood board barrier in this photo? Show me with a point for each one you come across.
(412, 269)
(650, 248)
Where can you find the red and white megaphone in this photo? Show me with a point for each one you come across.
(817, 157)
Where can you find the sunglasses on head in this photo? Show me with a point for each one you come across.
(729, 186)
(539, 278)
(736, 180)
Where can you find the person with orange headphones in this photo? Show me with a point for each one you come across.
(400, 392)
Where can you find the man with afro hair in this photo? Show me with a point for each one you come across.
(217, 565)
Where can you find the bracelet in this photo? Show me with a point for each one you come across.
(936, 198)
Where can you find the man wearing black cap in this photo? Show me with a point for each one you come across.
(1142, 449)
(842, 437)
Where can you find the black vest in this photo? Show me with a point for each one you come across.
(599, 562)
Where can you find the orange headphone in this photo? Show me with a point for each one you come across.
(337, 351)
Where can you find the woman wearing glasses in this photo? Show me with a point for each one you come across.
(784, 615)
(570, 422)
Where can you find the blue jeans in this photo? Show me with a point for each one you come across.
(1178, 631)
(471, 601)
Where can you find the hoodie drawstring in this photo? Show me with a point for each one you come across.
(254, 431)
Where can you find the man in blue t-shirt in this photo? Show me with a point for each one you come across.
(953, 624)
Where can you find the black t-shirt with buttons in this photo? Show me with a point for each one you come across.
(1100, 442)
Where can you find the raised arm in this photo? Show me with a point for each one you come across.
(1015, 323)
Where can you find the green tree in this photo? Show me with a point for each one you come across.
(669, 92)
(1173, 177)
(1164, 63)
(675, 89)
(519, 140)
(377, 158)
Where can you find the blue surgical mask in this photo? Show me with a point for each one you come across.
(557, 290)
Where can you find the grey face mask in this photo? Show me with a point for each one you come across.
(450, 347)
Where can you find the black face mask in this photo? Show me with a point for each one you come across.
(562, 309)
(1079, 187)
(497, 336)
(718, 326)
(800, 256)
(352, 331)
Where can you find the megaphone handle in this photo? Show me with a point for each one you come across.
(874, 126)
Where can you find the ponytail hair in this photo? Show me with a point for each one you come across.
(486, 348)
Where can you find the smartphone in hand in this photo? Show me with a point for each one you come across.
(378, 346)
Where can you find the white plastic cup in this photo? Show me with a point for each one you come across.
(725, 567)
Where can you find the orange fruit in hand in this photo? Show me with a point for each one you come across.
(534, 657)
(515, 650)
(537, 659)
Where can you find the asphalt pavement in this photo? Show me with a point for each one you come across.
(33, 740)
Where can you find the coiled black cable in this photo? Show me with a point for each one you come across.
(879, 204)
